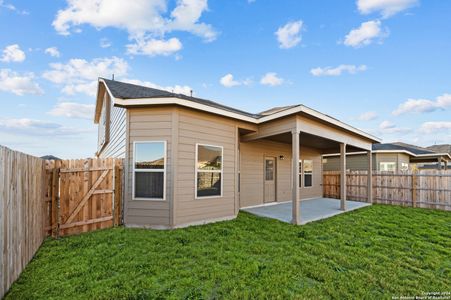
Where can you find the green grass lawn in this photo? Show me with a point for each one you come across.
(374, 252)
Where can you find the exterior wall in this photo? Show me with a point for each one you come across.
(355, 162)
(252, 171)
(115, 144)
(202, 128)
(148, 125)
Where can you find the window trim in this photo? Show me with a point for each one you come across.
(303, 174)
(196, 171)
(149, 171)
(387, 163)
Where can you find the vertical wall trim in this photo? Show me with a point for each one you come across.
(174, 163)
(126, 167)
(237, 167)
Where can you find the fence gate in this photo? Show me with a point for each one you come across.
(85, 195)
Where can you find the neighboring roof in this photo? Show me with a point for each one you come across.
(398, 147)
(444, 148)
(50, 157)
(127, 94)
(401, 147)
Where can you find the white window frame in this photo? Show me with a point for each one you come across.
(387, 163)
(208, 171)
(149, 171)
(303, 174)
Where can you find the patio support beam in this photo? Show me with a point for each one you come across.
(369, 155)
(439, 163)
(343, 176)
(446, 165)
(295, 154)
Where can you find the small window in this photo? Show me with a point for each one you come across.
(269, 167)
(308, 173)
(387, 166)
(209, 171)
(149, 170)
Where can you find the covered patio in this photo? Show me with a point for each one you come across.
(309, 210)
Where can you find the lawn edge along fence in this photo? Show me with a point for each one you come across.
(58, 197)
(424, 188)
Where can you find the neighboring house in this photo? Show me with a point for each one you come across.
(192, 161)
(50, 157)
(391, 157)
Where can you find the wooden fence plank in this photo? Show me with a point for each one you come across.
(426, 188)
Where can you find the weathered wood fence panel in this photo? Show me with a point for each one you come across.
(23, 212)
(425, 188)
(86, 196)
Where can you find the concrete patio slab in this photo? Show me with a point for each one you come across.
(310, 210)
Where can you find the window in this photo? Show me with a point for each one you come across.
(149, 170)
(387, 166)
(404, 167)
(300, 173)
(208, 171)
(308, 173)
(269, 167)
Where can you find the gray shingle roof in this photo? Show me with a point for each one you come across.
(401, 146)
(445, 148)
(125, 90)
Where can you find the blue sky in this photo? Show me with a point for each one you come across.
(380, 65)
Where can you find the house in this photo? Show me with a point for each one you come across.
(392, 157)
(192, 161)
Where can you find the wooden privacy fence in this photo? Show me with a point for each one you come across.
(425, 188)
(23, 212)
(85, 195)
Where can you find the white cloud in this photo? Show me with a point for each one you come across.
(424, 105)
(144, 20)
(271, 79)
(80, 75)
(228, 81)
(388, 127)
(154, 47)
(105, 43)
(434, 127)
(19, 84)
(365, 34)
(11, 7)
(73, 110)
(36, 127)
(387, 8)
(52, 51)
(178, 89)
(289, 35)
(13, 53)
(337, 71)
(368, 116)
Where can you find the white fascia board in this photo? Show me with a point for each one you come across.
(223, 112)
(182, 102)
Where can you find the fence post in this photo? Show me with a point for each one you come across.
(414, 188)
(55, 202)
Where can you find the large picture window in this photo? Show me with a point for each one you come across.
(149, 170)
(209, 168)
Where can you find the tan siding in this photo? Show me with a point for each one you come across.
(201, 128)
(385, 157)
(115, 146)
(149, 125)
(251, 170)
(357, 162)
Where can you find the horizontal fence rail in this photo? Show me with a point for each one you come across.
(424, 188)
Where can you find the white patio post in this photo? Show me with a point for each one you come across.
(370, 177)
(343, 176)
(295, 141)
